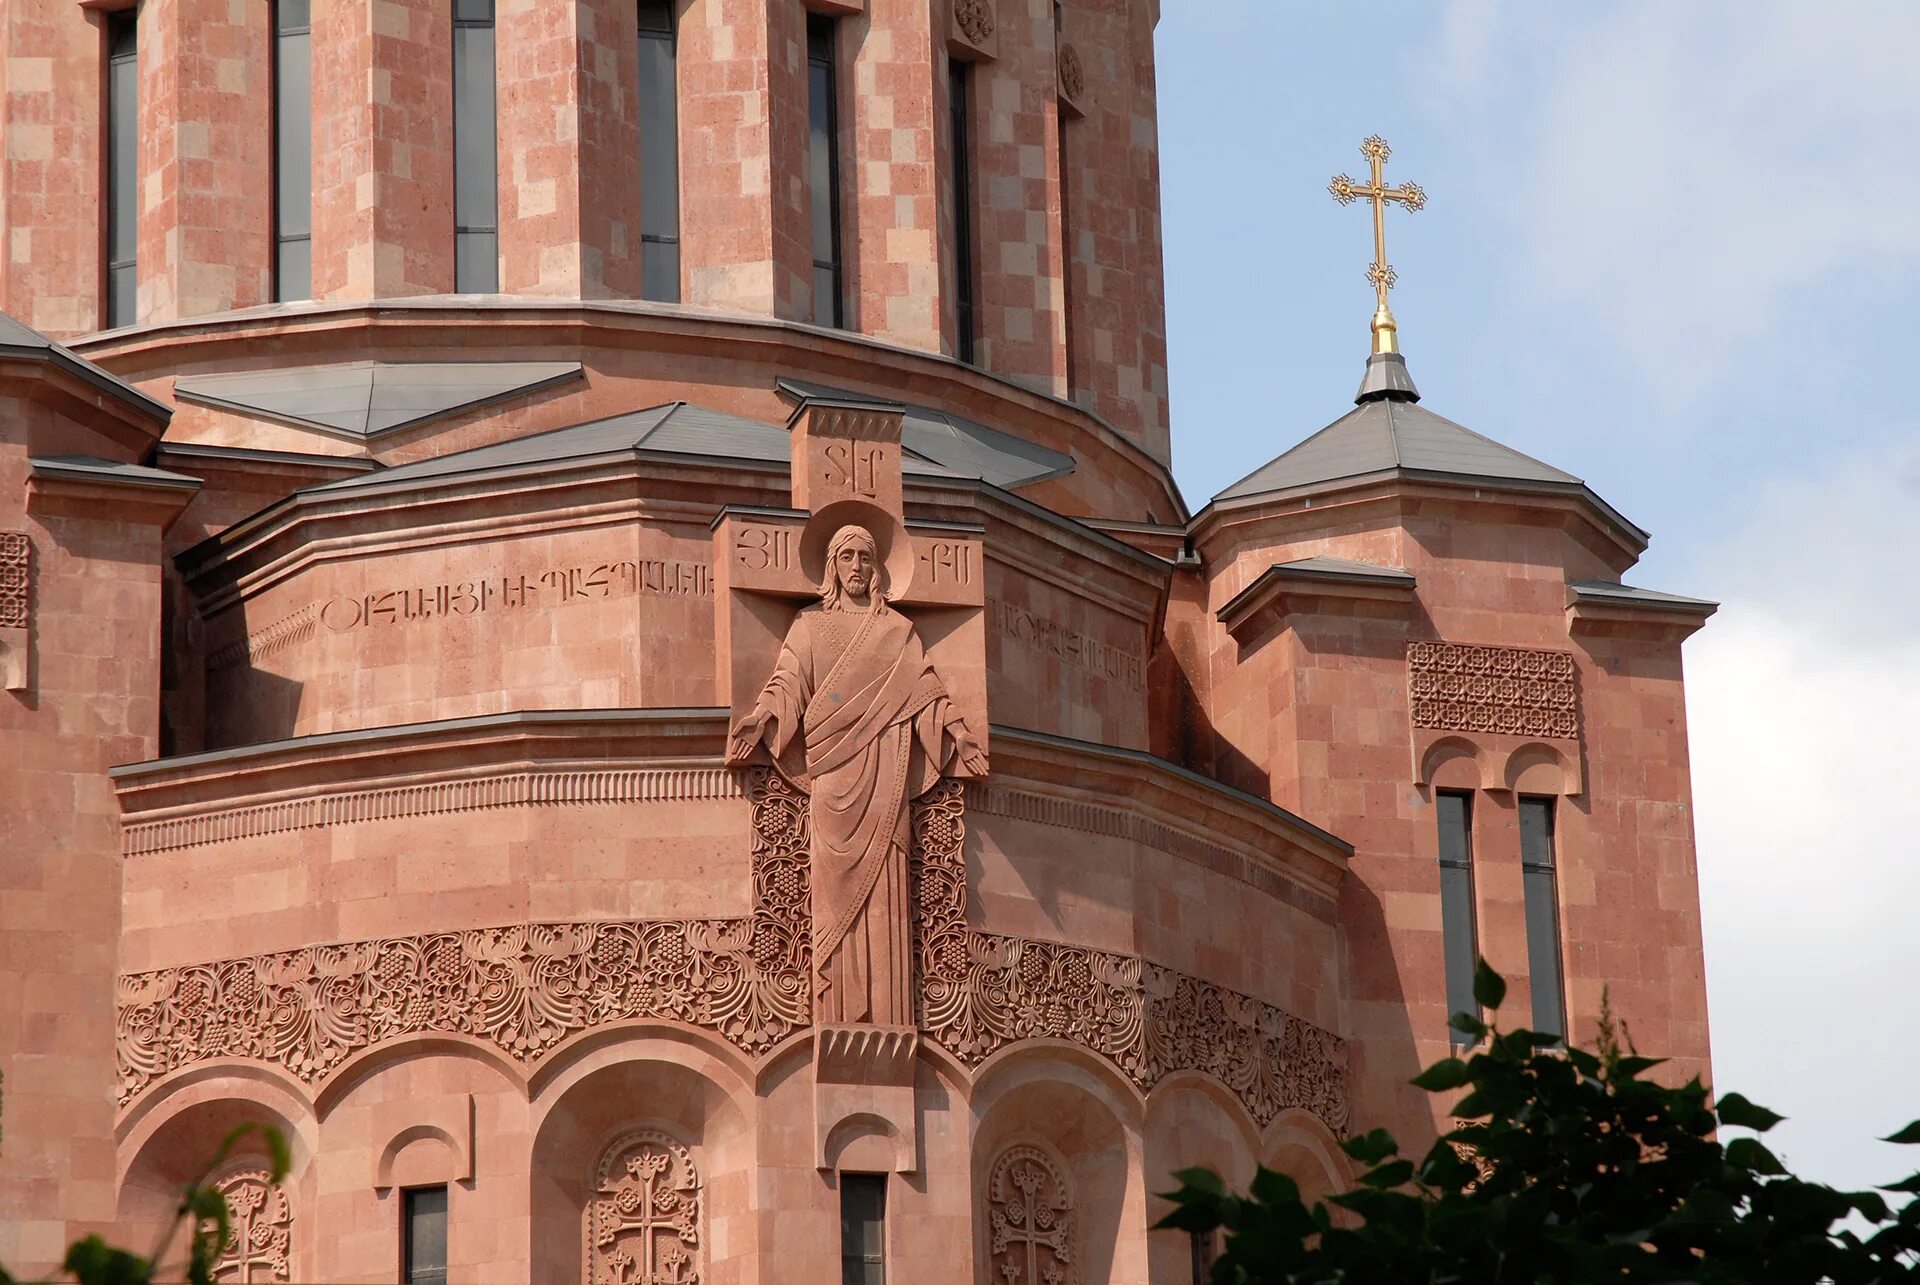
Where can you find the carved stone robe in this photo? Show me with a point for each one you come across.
(863, 724)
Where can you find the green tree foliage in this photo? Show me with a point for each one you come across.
(1563, 1166)
(202, 1208)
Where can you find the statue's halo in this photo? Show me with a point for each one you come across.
(889, 537)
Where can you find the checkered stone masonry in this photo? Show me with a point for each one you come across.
(1464, 687)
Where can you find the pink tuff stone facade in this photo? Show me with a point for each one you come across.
(369, 663)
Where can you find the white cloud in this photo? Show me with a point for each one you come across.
(1678, 175)
(1803, 705)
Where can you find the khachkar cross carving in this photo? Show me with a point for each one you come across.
(1030, 1215)
(1379, 272)
(259, 1230)
(643, 1228)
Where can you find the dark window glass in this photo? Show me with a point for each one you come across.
(292, 150)
(959, 92)
(1543, 915)
(476, 217)
(425, 1251)
(659, 155)
(123, 168)
(823, 172)
(1456, 902)
(863, 1229)
(1201, 1246)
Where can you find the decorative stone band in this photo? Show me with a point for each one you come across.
(466, 794)
(524, 988)
(285, 632)
(16, 553)
(1517, 691)
(981, 991)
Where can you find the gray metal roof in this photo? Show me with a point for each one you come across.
(676, 428)
(20, 340)
(91, 468)
(1385, 436)
(955, 442)
(1625, 595)
(367, 398)
(1344, 569)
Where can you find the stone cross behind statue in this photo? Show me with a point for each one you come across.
(855, 713)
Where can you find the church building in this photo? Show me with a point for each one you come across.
(596, 626)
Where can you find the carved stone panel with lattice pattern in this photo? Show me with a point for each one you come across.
(1514, 691)
(643, 1220)
(16, 584)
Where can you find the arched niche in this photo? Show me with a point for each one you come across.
(180, 1137)
(1045, 1105)
(1192, 1120)
(1298, 1145)
(1537, 768)
(642, 1088)
(1451, 763)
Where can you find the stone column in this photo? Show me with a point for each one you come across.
(206, 178)
(383, 160)
(891, 219)
(51, 166)
(569, 138)
(743, 156)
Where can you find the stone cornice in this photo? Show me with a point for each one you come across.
(155, 350)
(1098, 787)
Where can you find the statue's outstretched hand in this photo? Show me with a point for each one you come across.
(746, 734)
(973, 759)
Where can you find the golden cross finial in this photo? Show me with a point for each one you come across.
(1379, 272)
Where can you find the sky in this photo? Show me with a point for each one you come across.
(1674, 250)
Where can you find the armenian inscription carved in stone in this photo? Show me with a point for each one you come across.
(1515, 691)
(492, 594)
(1070, 646)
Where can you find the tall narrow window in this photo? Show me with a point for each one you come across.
(959, 91)
(424, 1251)
(659, 155)
(863, 1229)
(123, 170)
(476, 203)
(1202, 1249)
(292, 149)
(823, 172)
(1455, 809)
(1543, 915)
(1066, 225)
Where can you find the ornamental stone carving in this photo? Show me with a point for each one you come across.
(1029, 1220)
(16, 580)
(980, 991)
(643, 1221)
(1073, 75)
(975, 20)
(855, 716)
(523, 988)
(259, 1241)
(1514, 691)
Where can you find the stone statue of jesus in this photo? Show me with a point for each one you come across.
(855, 715)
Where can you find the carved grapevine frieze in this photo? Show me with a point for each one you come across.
(523, 988)
(1517, 691)
(643, 1222)
(1029, 1220)
(259, 1241)
(980, 991)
